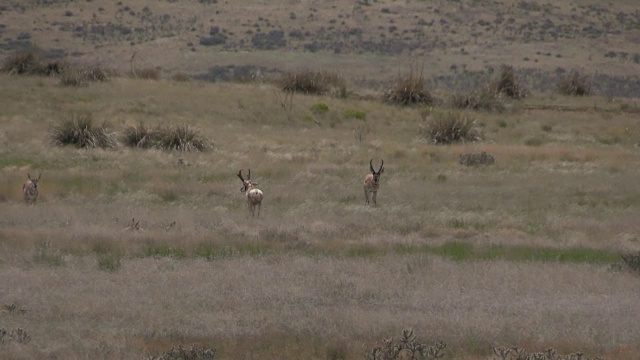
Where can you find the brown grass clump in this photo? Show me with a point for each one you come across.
(182, 138)
(312, 82)
(507, 84)
(83, 76)
(79, 130)
(409, 89)
(485, 98)
(449, 128)
(137, 136)
(575, 84)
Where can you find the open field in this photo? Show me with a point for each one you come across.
(512, 254)
(523, 252)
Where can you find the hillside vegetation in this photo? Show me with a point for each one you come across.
(506, 224)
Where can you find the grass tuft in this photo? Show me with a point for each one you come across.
(575, 84)
(313, 83)
(182, 138)
(409, 89)
(507, 84)
(450, 128)
(78, 130)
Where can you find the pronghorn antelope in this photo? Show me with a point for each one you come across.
(372, 183)
(254, 195)
(30, 189)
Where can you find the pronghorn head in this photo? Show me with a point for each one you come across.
(376, 174)
(34, 180)
(247, 184)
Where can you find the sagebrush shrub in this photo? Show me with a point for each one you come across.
(78, 130)
(449, 128)
(575, 84)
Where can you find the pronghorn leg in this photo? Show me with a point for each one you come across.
(374, 196)
(259, 206)
(366, 196)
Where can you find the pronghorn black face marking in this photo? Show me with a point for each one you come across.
(376, 174)
(30, 189)
(254, 195)
(372, 183)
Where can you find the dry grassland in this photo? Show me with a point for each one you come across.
(515, 253)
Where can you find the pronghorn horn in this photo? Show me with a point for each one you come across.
(240, 175)
(371, 166)
(381, 166)
(249, 176)
(39, 176)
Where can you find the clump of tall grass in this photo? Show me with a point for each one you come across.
(406, 347)
(182, 138)
(409, 89)
(575, 84)
(450, 127)
(146, 73)
(84, 75)
(507, 84)
(485, 98)
(632, 261)
(28, 62)
(79, 130)
(313, 83)
(138, 136)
